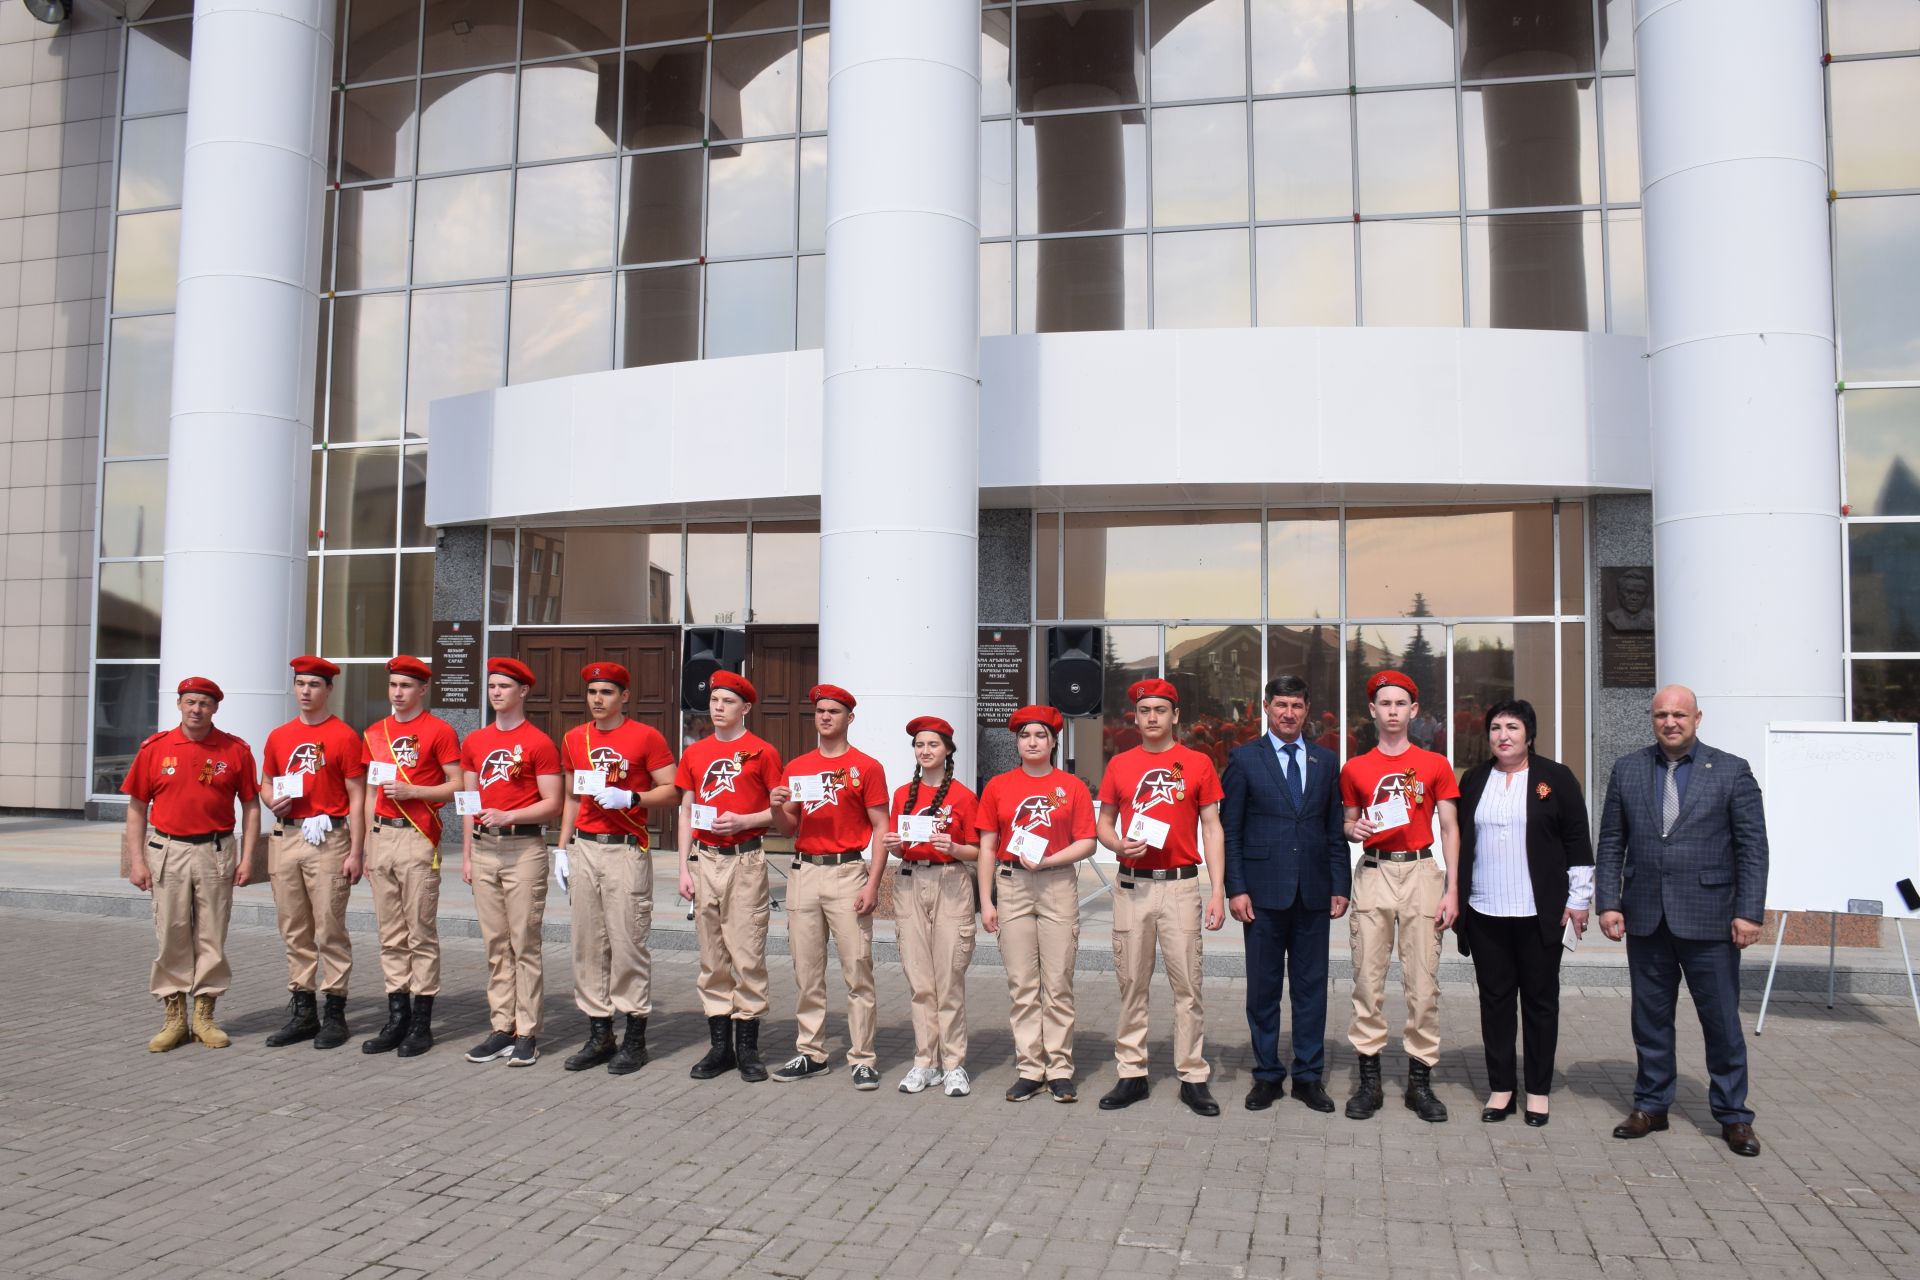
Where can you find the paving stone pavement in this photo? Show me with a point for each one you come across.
(250, 1162)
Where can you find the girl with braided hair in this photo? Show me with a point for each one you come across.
(933, 902)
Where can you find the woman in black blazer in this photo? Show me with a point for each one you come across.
(1526, 875)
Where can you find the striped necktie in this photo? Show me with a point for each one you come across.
(1670, 798)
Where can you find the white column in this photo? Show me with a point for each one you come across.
(245, 334)
(1746, 466)
(899, 520)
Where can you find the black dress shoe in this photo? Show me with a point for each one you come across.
(1494, 1115)
(1264, 1094)
(1639, 1124)
(1130, 1090)
(1740, 1139)
(1199, 1098)
(1538, 1119)
(1313, 1094)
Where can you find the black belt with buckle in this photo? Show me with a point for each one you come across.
(830, 859)
(729, 850)
(606, 837)
(205, 837)
(391, 822)
(1378, 856)
(519, 829)
(908, 868)
(1160, 873)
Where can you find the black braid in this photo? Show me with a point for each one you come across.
(940, 796)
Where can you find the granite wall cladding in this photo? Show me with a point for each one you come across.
(1006, 596)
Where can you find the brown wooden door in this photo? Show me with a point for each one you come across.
(784, 663)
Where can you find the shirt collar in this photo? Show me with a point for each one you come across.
(1278, 745)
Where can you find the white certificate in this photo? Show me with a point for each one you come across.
(381, 772)
(290, 786)
(916, 828)
(1387, 816)
(809, 788)
(702, 816)
(466, 803)
(1028, 846)
(587, 782)
(1149, 830)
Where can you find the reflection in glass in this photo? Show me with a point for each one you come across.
(1046, 565)
(133, 508)
(1199, 50)
(753, 15)
(660, 214)
(1410, 272)
(1626, 274)
(146, 261)
(1535, 271)
(1530, 144)
(1572, 751)
(500, 577)
(363, 497)
(649, 21)
(360, 690)
(1401, 42)
(376, 131)
(563, 217)
(1130, 654)
(469, 33)
(457, 345)
(1200, 165)
(1082, 284)
(1872, 148)
(813, 195)
(996, 62)
(152, 153)
(786, 571)
(1311, 653)
(1884, 565)
(560, 327)
(1302, 158)
(716, 574)
(568, 108)
(466, 122)
(369, 367)
(460, 227)
(1870, 26)
(1081, 172)
(1298, 45)
(383, 39)
(996, 178)
(1877, 284)
(1418, 650)
(659, 316)
(1162, 564)
(1217, 671)
(1493, 662)
(996, 290)
(665, 96)
(813, 82)
(1573, 558)
(1622, 107)
(1305, 274)
(755, 87)
(371, 250)
(1303, 563)
(157, 58)
(1883, 451)
(126, 700)
(416, 604)
(750, 199)
(1408, 156)
(1883, 689)
(600, 575)
(1089, 54)
(750, 307)
(140, 385)
(129, 611)
(561, 26)
(413, 497)
(1542, 38)
(356, 606)
(1453, 562)
(811, 319)
(1200, 280)
(1616, 34)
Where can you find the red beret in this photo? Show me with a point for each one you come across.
(831, 692)
(604, 672)
(734, 683)
(1154, 688)
(200, 684)
(513, 669)
(929, 724)
(312, 666)
(410, 667)
(1037, 715)
(1381, 679)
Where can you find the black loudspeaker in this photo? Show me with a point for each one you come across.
(707, 650)
(1075, 677)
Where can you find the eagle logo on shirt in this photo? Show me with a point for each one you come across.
(831, 783)
(1405, 785)
(406, 751)
(721, 775)
(501, 765)
(1034, 812)
(1158, 787)
(308, 757)
(609, 761)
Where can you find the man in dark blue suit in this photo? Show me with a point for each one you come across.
(1288, 878)
(1682, 875)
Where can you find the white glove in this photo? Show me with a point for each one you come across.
(315, 829)
(561, 869)
(614, 798)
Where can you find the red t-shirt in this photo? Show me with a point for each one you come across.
(328, 753)
(422, 748)
(954, 816)
(1422, 777)
(1170, 786)
(733, 776)
(629, 754)
(507, 764)
(839, 824)
(1056, 806)
(192, 785)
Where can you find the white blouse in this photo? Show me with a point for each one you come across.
(1501, 883)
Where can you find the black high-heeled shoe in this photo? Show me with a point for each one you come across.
(1494, 1115)
(1537, 1119)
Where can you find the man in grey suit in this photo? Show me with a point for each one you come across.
(1682, 875)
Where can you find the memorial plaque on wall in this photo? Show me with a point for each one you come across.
(1001, 682)
(1626, 627)
(456, 665)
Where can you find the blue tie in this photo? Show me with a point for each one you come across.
(1293, 772)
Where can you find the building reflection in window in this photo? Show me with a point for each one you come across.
(1883, 451)
(605, 575)
(1162, 564)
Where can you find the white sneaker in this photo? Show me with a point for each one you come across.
(919, 1079)
(958, 1086)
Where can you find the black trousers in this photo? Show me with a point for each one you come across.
(1516, 969)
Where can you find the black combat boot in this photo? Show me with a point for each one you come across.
(597, 1049)
(420, 1035)
(1368, 1098)
(633, 1048)
(333, 1023)
(720, 1056)
(746, 1035)
(1420, 1099)
(302, 1022)
(399, 1022)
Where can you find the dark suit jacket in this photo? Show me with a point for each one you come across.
(1708, 871)
(1558, 837)
(1279, 852)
